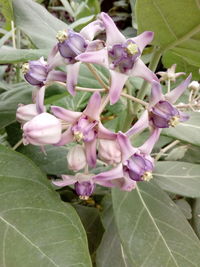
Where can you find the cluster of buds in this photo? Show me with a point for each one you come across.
(92, 141)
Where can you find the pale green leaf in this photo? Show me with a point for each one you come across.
(182, 178)
(37, 229)
(152, 229)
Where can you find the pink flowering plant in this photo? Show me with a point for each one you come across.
(105, 121)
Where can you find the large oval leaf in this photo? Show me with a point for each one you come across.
(37, 229)
(178, 177)
(176, 25)
(153, 230)
(37, 22)
(187, 131)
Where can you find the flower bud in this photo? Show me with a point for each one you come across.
(76, 158)
(84, 189)
(194, 85)
(109, 151)
(35, 72)
(26, 113)
(42, 129)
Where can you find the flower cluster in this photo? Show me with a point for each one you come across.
(92, 141)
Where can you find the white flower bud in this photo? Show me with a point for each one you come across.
(26, 113)
(42, 129)
(76, 158)
(109, 151)
(194, 85)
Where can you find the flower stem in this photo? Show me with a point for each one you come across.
(165, 149)
(135, 99)
(96, 75)
(18, 144)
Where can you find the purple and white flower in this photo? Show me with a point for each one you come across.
(137, 164)
(121, 56)
(84, 127)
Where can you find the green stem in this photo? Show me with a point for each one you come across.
(18, 40)
(152, 66)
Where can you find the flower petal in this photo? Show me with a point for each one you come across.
(92, 29)
(147, 147)
(117, 83)
(40, 100)
(65, 114)
(93, 106)
(126, 148)
(140, 70)
(114, 173)
(104, 133)
(140, 125)
(72, 77)
(183, 116)
(52, 54)
(66, 138)
(97, 57)
(143, 39)
(55, 75)
(90, 150)
(178, 91)
(156, 94)
(66, 180)
(113, 35)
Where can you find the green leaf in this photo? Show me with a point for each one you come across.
(170, 57)
(34, 20)
(184, 207)
(6, 10)
(90, 219)
(187, 131)
(9, 100)
(175, 24)
(49, 163)
(34, 221)
(110, 251)
(182, 178)
(11, 55)
(153, 230)
(196, 217)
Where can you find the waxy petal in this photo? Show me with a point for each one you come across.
(104, 133)
(52, 54)
(140, 125)
(156, 94)
(127, 149)
(183, 116)
(90, 150)
(113, 35)
(93, 106)
(40, 100)
(117, 83)
(178, 91)
(66, 180)
(140, 70)
(92, 29)
(65, 114)
(98, 57)
(114, 173)
(66, 138)
(55, 75)
(147, 147)
(143, 39)
(72, 77)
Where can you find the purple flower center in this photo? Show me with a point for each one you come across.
(138, 168)
(70, 45)
(123, 56)
(163, 115)
(84, 129)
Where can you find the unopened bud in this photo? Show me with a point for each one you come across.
(42, 129)
(76, 158)
(109, 151)
(26, 113)
(194, 85)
